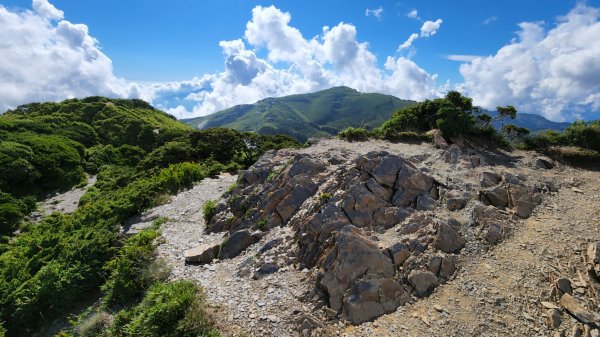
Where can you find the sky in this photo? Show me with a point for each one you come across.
(193, 58)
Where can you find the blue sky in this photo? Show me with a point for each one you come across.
(173, 53)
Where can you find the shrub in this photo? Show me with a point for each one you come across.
(127, 278)
(94, 325)
(354, 134)
(325, 196)
(262, 225)
(208, 210)
(168, 309)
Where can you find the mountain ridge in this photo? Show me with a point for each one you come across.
(326, 112)
(322, 113)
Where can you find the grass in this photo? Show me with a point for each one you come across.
(209, 210)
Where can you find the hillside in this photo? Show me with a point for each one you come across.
(114, 158)
(535, 123)
(323, 113)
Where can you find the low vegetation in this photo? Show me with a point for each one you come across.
(579, 144)
(141, 156)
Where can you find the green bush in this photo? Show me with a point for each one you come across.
(454, 115)
(94, 325)
(208, 210)
(169, 309)
(13, 210)
(354, 134)
(127, 277)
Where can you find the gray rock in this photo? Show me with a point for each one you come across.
(457, 203)
(543, 163)
(489, 179)
(235, 244)
(434, 264)
(352, 256)
(522, 200)
(448, 240)
(564, 285)
(438, 140)
(305, 165)
(399, 253)
(447, 268)
(554, 318)
(202, 254)
(494, 233)
(389, 216)
(370, 298)
(497, 196)
(423, 282)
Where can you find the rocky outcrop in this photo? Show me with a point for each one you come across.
(509, 192)
(339, 206)
(357, 277)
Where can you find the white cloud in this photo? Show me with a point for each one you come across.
(413, 14)
(295, 65)
(489, 20)
(430, 27)
(377, 12)
(408, 41)
(555, 73)
(462, 58)
(46, 58)
(46, 10)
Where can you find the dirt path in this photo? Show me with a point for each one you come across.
(66, 202)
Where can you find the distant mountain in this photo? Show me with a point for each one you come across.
(323, 113)
(535, 122)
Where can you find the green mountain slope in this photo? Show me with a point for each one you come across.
(322, 113)
(535, 122)
(140, 156)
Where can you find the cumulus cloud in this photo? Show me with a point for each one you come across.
(553, 72)
(295, 64)
(413, 14)
(429, 28)
(408, 41)
(47, 58)
(377, 12)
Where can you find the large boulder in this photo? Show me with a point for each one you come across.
(522, 200)
(352, 270)
(371, 298)
(497, 196)
(236, 243)
(204, 253)
(360, 205)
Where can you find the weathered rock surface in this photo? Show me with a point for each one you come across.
(236, 243)
(204, 253)
(448, 240)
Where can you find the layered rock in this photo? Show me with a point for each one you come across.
(336, 206)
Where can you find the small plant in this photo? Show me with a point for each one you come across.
(159, 222)
(354, 134)
(232, 187)
(262, 225)
(208, 210)
(325, 196)
(93, 325)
